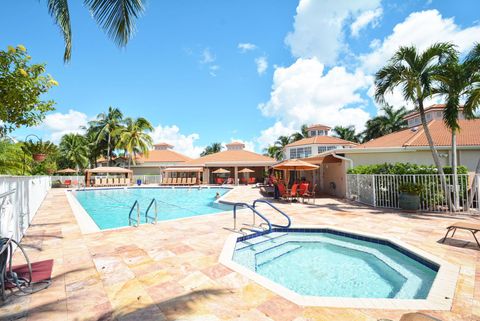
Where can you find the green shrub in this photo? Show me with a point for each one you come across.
(403, 169)
(411, 188)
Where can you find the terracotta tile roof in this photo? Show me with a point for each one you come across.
(163, 156)
(321, 140)
(469, 135)
(235, 144)
(163, 145)
(318, 126)
(434, 106)
(233, 156)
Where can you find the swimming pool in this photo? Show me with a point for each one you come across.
(109, 208)
(328, 264)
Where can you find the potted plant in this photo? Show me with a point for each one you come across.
(39, 150)
(409, 198)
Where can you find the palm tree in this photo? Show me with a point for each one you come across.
(74, 148)
(391, 121)
(134, 137)
(116, 18)
(459, 81)
(280, 144)
(212, 149)
(11, 158)
(303, 133)
(416, 72)
(274, 151)
(346, 133)
(105, 126)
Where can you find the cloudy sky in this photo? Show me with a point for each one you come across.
(208, 71)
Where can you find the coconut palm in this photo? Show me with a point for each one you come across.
(346, 133)
(459, 81)
(303, 133)
(389, 122)
(105, 127)
(134, 138)
(274, 151)
(212, 149)
(415, 73)
(74, 149)
(115, 17)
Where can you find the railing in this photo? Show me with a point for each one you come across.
(130, 219)
(153, 202)
(382, 190)
(147, 179)
(278, 210)
(255, 212)
(20, 199)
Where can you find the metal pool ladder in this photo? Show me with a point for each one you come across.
(130, 219)
(154, 218)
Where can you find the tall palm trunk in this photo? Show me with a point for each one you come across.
(475, 185)
(454, 169)
(108, 150)
(436, 159)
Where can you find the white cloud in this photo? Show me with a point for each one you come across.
(207, 56)
(304, 94)
(318, 27)
(262, 64)
(269, 136)
(364, 19)
(213, 70)
(59, 124)
(420, 29)
(184, 144)
(246, 46)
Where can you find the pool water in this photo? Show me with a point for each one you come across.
(109, 208)
(330, 265)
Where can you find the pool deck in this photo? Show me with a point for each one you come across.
(170, 271)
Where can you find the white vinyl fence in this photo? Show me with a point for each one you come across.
(147, 179)
(382, 190)
(20, 198)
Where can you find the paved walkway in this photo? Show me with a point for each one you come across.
(170, 271)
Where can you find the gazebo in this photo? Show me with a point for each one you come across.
(107, 170)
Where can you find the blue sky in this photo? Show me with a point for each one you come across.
(205, 71)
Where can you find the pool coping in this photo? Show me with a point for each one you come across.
(440, 296)
(87, 224)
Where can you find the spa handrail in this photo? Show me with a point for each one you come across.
(255, 212)
(278, 210)
(154, 201)
(137, 205)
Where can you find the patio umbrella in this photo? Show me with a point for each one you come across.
(67, 171)
(221, 171)
(246, 173)
(295, 165)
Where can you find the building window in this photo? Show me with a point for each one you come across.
(300, 152)
(322, 149)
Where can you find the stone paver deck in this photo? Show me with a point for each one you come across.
(170, 271)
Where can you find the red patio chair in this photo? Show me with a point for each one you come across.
(282, 190)
(293, 194)
(67, 182)
(252, 180)
(219, 180)
(27, 278)
(243, 180)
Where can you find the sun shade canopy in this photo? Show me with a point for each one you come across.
(246, 170)
(183, 170)
(221, 171)
(295, 165)
(66, 171)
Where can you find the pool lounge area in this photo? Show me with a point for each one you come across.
(171, 270)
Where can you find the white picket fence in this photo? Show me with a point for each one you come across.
(20, 198)
(382, 190)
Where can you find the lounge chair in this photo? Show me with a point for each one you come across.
(26, 278)
(293, 192)
(184, 181)
(310, 194)
(169, 181)
(282, 190)
(189, 181)
(121, 181)
(128, 181)
(472, 227)
(97, 181)
(174, 181)
(243, 180)
(109, 181)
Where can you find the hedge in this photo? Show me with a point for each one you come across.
(402, 169)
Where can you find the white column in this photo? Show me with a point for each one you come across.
(236, 175)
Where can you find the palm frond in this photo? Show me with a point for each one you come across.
(58, 9)
(116, 17)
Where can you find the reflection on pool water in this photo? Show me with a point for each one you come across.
(109, 208)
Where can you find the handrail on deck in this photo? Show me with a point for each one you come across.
(153, 201)
(278, 210)
(138, 214)
(253, 210)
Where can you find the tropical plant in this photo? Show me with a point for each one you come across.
(303, 133)
(346, 133)
(134, 138)
(274, 151)
(74, 149)
(105, 127)
(411, 188)
(38, 147)
(211, 149)
(389, 122)
(21, 85)
(459, 81)
(416, 72)
(116, 18)
(11, 158)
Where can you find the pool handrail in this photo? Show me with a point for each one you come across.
(278, 210)
(138, 213)
(153, 201)
(254, 212)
